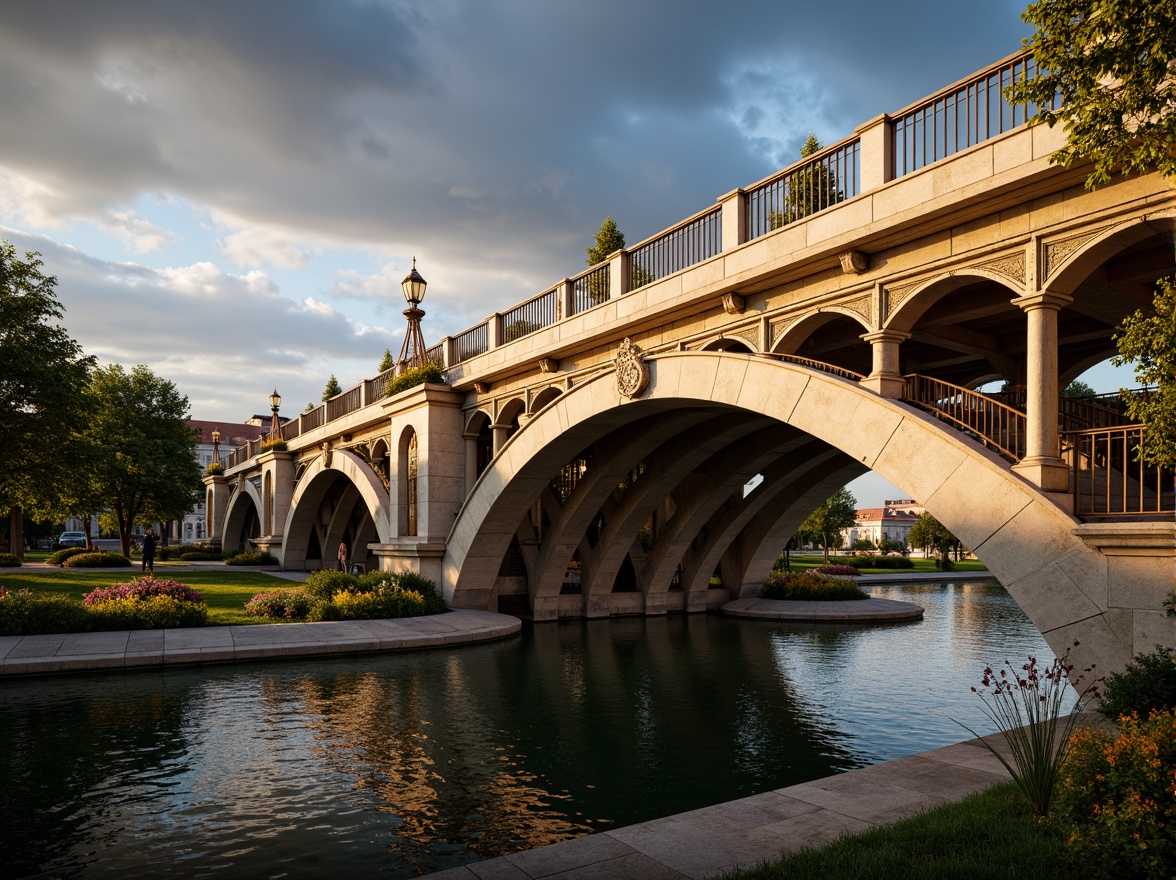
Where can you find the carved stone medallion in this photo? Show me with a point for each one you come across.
(632, 372)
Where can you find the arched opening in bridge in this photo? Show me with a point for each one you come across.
(330, 509)
(408, 471)
(829, 337)
(242, 519)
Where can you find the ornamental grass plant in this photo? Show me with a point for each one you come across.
(1026, 706)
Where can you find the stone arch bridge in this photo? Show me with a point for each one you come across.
(644, 437)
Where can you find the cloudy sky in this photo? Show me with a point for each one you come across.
(230, 192)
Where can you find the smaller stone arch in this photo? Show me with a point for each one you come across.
(905, 313)
(1070, 261)
(544, 397)
(408, 495)
(800, 330)
(242, 503)
(476, 420)
(508, 414)
(731, 345)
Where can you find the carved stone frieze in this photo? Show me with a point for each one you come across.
(750, 335)
(862, 305)
(894, 297)
(632, 371)
(1011, 266)
(777, 328)
(1057, 252)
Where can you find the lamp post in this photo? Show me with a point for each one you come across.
(216, 445)
(275, 401)
(412, 353)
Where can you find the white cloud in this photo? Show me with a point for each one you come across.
(256, 246)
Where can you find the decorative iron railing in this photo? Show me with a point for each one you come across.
(1110, 479)
(995, 424)
(535, 314)
(691, 242)
(470, 344)
(962, 115)
(436, 354)
(819, 182)
(591, 289)
(813, 365)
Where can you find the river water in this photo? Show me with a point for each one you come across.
(389, 766)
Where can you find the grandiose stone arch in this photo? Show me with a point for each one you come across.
(1027, 542)
(1070, 260)
(313, 486)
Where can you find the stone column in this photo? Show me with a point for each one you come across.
(1042, 465)
(885, 380)
(471, 461)
(501, 435)
(216, 496)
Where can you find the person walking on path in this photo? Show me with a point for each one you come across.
(342, 556)
(149, 551)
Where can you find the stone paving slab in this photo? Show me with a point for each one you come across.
(87, 652)
(845, 611)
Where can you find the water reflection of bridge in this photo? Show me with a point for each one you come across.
(828, 320)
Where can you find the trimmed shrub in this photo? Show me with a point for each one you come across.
(1148, 683)
(146, 612)
(59, 557)
(142, 588)
(431, 372)
(251, 557)
(860, 562)
(201, 556)
(290, 604)
(97, 559)
(944, 564)
(837, 570)
(1115, 797)
(325, 583)
(810, 585)
(24, 614)
(162, 553)
(9, 560)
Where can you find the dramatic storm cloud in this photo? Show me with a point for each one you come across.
(230, 192)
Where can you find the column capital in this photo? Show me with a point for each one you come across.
(1043, 300)
(883, 336)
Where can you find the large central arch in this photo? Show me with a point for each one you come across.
(1024, 539)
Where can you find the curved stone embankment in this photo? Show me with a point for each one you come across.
(91, 652)
(848, 611)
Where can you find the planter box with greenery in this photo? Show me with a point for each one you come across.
(432, 373)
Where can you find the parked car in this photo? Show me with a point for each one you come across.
(70, 539)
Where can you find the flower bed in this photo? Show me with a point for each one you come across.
(336, 595)
(836, 570)
(810, 586)
(144, 603)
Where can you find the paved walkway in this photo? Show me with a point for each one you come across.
(88, 652)
(743, 833)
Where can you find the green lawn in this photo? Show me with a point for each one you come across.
(225, 591)
(801, 561)
(991, 835)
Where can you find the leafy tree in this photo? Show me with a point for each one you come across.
(139, 452)
(1077, 389)
(43, 377)
(809, 190)
(862, 544)
(386, 362)
(518, 329)
(609, 240)
(332, 388)
(309, 406)
(928, 532)
(825, 523)
(888, 546)
(1149, 342)
(1108, 63)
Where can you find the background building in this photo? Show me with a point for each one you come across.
(891, 522)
